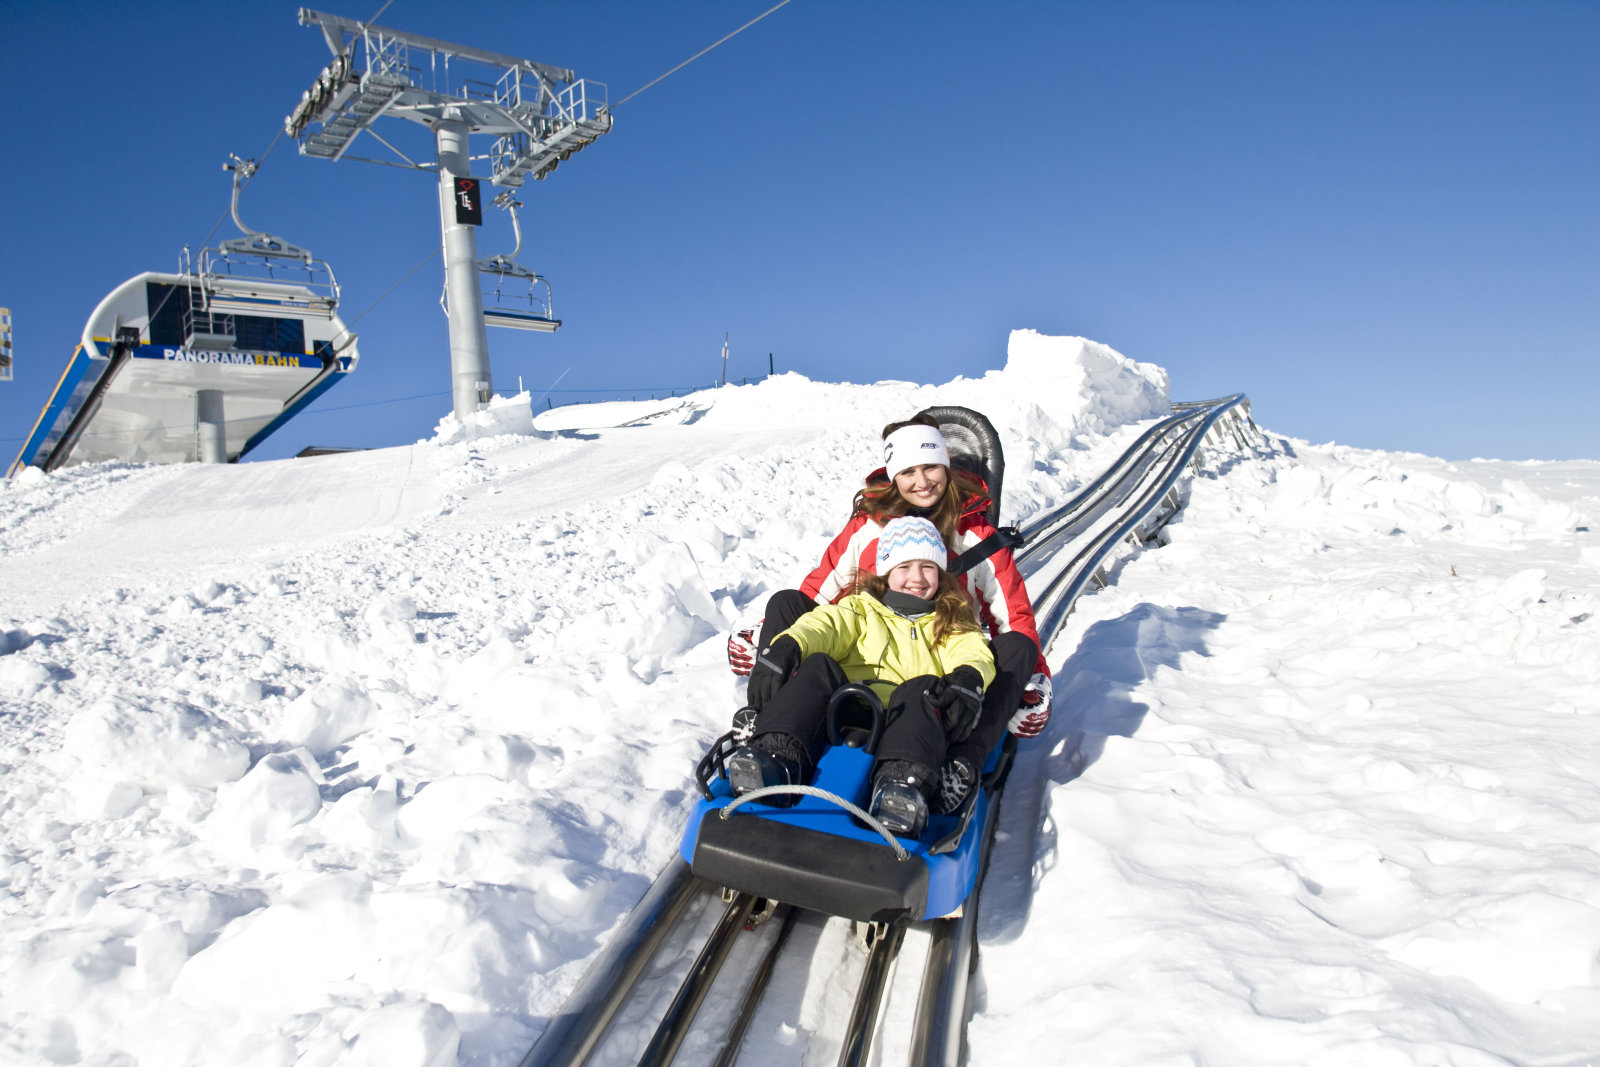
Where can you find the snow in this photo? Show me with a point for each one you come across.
(359, 758)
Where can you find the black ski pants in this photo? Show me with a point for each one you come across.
(1014, 658)
(912, 730)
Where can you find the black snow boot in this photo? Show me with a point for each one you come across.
(770, 759)
(956, 779)
(899, 797)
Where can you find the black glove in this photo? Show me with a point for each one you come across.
(774, 666)
(959, 695)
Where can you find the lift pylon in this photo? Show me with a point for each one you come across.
(539, 116)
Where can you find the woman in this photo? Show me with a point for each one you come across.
(918, 479)
(909, 633)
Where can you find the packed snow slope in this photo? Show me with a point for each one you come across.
(357, 759)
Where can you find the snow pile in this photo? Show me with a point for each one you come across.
(359, 758)
(1102, 387)
(504, 415)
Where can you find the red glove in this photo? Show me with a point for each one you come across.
(1034, 713)
(742, 648)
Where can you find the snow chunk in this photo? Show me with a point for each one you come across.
(154, 746)
(408, 1034)
(1517, 593)
(26, 479)
(265, 807)
(327, 715)
(390, 607)
(505, 415)
(439, 810)
(288, 957)
(22, 678)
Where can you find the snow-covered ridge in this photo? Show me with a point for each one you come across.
(357, 758)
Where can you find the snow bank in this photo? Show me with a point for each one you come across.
(1098, 385)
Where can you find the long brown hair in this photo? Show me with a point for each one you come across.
(881, 501)
(952, 611)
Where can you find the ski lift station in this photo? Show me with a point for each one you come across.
(204, 363)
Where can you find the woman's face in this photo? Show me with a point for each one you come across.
(923, 486)
(916, 577)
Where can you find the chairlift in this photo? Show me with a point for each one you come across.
(252, 274)
(512, 295)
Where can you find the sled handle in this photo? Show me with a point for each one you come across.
(864, 693)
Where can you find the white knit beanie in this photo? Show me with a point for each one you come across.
(912, 446)
(910, 537)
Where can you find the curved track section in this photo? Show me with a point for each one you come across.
(602, 1020)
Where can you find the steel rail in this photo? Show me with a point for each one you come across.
(941, 1019)
(940, 1026)
(1055, 600)
(1108, 496)
(1091, 508)
(869, 997)
(757, 988)
(1060, 598)
(674, 1025)
(576, 1030)
(1046, 528)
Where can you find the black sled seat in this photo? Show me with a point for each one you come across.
(974, 447)
(811, 868)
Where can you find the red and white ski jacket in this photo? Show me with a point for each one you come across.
(993, 585)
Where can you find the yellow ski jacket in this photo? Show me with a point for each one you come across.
(874, 643)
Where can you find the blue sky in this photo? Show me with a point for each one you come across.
(1381, 220)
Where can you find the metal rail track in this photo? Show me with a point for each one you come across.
(1064, 551)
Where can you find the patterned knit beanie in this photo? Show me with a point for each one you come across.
(912, 446)
(910, 537)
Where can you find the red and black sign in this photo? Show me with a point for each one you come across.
(469, 204)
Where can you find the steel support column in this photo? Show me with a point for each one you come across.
(210, 427)
(470, 383)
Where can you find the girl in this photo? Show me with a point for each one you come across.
(918, 479)
(910, 633)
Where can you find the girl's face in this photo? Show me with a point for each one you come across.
(923, 486)
(915, 577)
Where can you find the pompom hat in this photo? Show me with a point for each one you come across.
(908, 538)
(912, 446)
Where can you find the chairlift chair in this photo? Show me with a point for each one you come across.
(252, 274)
(530, 309)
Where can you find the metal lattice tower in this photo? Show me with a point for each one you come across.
(539, 115)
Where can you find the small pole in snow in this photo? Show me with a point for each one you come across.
(724, 361)
(769, 365)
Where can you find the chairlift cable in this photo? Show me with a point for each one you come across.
(386, 292)
(698, 54)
